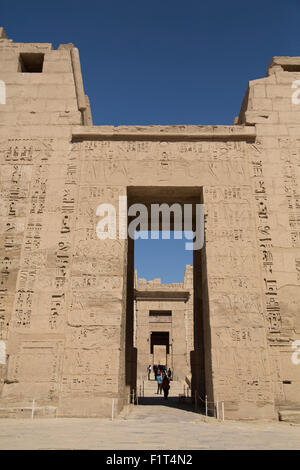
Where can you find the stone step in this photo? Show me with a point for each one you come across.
(153, 385)
(290, 415)
(177, 388)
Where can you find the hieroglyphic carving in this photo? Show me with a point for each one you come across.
(297, 262)
(236, 283)
(290, 157)
(34, 257)
(248, 371)
(94, 308)
(63, 252)
(26, 151)
(38, 190)
(37, 361)
(83, 338)
(273, 314)
(89, 385)
(117, 162)
(15, 185)
(90, 361)
(101, 283)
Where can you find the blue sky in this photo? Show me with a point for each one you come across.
(162, 258)
(163, 62)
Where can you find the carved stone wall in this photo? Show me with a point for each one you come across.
(64, 317)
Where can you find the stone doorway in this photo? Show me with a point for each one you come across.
(191, 358)
(160, 349)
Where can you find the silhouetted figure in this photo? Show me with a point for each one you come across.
(155, 369)
(149, 371)
(169, 374)
(166, 386)
(159, 382)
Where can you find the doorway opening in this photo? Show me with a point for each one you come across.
(168, 322)
(160, 348)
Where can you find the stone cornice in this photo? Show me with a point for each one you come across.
(163, 295)
(164, 132)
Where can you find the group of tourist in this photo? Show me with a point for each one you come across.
(162, 377)
(159, 370)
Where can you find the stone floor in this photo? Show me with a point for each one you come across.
(153, 425)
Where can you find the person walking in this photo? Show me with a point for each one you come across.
(165, 386)
(149, 371)
(159, 382)
(169, 373)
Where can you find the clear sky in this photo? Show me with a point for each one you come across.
(162, 61)
(162, 258)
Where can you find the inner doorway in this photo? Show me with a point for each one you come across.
(160, 349)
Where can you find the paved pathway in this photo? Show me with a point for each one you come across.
(153, 426)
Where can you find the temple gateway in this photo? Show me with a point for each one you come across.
(77, 328)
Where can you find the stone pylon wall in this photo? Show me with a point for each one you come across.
(63, 293)
(272, 104)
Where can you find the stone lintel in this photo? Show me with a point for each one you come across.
(182, 296)
(167, 132)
